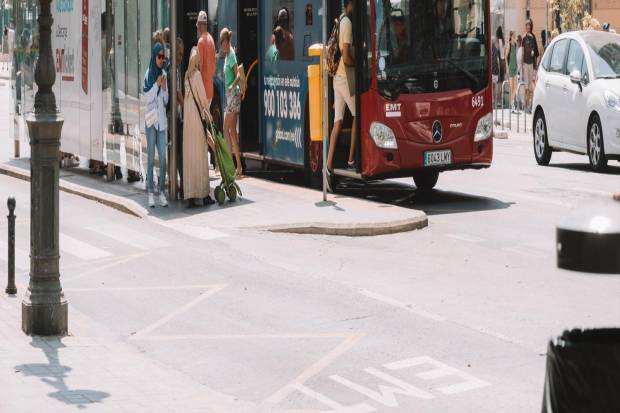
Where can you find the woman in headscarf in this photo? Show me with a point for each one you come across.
(195, 137)
(156, 96)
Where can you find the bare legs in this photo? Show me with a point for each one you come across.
(333, 141)
(513, 87)
(230, 133)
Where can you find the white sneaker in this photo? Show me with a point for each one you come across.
(162, 200)
(151, 201)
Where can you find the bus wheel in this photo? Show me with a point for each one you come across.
(425, 181)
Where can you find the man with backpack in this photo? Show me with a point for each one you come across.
(530, 59)
(344, 78)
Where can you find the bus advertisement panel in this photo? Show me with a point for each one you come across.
(75, 46)
(288, 29)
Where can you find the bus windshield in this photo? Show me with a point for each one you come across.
(431, 46)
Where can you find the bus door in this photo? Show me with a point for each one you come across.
(247, 51)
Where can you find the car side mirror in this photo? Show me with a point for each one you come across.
(575, 77)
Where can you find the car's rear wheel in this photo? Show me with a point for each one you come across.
(542, 151)
(425, 181)
(596, 148)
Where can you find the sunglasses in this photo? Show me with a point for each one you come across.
(161, 56)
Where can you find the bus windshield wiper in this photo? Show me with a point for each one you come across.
(610, 77)
(395, 85)
(466, 72)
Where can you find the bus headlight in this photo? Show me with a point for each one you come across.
(484, 128)
(383, 136)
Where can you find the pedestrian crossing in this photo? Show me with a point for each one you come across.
(93, 243)
(125, 235)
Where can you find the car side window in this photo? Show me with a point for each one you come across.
(558, 56)
(585, 76)
(547, 58)
(575, 57)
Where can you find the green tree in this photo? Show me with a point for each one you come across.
(573, 14)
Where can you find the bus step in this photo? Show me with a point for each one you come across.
(347, 173)
(255, 156)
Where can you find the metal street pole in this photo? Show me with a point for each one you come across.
(546, 24)
(172, 165)
(44, 308)
(325, 103)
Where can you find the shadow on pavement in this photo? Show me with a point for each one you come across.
(54, 374)
(585, 167)
(436, 202)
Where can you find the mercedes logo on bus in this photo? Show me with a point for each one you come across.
(437, 134)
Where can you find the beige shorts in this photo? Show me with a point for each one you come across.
(342, 97)
(529, 74)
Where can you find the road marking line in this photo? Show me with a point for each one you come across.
(194, 231)
(441, 370)
(337, 407)
(95, 270)
(22, 258)
(213, 289)
(492, 333)
(130, 237)
(530, 252)
(386, 395)
(81, 249)
(313, 370)
(143, 288)
(403, 306)
(242, 336)
(465, 237)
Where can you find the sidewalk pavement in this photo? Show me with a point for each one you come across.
(265, 205)
(92, 371)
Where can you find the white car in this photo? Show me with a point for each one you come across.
(576, 102)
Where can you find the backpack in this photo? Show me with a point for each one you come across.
(333, 55)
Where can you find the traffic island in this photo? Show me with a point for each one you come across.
(266, 206)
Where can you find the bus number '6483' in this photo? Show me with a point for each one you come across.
(477, 101)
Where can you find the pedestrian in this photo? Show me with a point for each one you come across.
(518, 102)
(495, 71)
(206, 51)
(530, 62)
(196, 137)
(156, 96)
(511, 58)
(180, 101)
(233, 95)
(345, 76)
(287, 48)
(273, 53)
(501, 46)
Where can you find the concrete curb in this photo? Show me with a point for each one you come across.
(419, 219)
(354, 230)
(112, 201)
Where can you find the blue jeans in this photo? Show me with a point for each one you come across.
(156, 138)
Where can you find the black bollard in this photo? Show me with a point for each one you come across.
(11, 288)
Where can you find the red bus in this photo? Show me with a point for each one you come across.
(423, 88)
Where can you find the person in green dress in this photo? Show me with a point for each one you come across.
(511, 58)
(233, 95)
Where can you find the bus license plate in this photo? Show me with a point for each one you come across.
(434, 158)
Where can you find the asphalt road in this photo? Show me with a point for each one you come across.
(452, 318)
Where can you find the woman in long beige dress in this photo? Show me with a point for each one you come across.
(195, 161)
